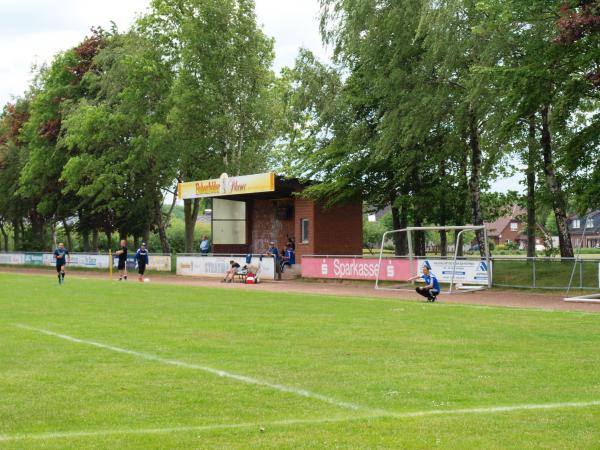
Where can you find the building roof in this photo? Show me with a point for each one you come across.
(496, 227)
(594, 230)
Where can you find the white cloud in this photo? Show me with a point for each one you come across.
(33, 31)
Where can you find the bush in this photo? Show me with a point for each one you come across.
(176, 237)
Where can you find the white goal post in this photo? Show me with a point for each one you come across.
(454, 287)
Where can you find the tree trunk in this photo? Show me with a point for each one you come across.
(531, 166)
(109, 241)
(397, 236)
(558, 197)
(475, 179)
(53, 233)
(85, 240)
(4, 236)
(191, 207)
(399, 222)
(68, 234)
(443, 213)
(160, 223)
(16, 243)
(95, 240)
(419, 236)
(136, 242)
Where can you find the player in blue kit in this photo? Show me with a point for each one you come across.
(141, 257)
(60, 257)
(432, 285)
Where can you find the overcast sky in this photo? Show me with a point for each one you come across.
(33, 31)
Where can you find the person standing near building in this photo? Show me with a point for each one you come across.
(432, 285)
(204, 245)
(274, 252)
(122, 264)
(141, 257)
(60, 257)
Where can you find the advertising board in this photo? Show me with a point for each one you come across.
(347, 268)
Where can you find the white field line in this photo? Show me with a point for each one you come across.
(211, 370)
(291, 422)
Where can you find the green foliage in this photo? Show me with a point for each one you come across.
(372, 234)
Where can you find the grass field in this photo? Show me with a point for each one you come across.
(98, 365)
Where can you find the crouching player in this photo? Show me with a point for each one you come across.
(432, 285)
(60, 257)
(141, 257)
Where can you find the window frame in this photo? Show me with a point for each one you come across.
(304, 231)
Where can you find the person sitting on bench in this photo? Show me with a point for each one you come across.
(230, 274)
(288, 258)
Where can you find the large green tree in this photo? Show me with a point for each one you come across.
(224, 113)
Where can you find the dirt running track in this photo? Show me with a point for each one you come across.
(513, 299)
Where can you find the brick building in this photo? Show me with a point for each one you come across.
(511, 229)
(246, 223)
(588, 225)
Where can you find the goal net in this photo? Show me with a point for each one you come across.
(450, 252)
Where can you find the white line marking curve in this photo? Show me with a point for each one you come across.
(211, 370)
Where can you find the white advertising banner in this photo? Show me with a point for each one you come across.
(465, 271)
(12, 258)
(216, 266)
(89, 261)
(160, 263)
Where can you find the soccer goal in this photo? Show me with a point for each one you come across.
(457, 271)
(589, 298)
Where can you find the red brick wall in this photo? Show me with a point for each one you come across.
(304, 209)
(332, 231)
(339, 230)
(267, 227)
(508, 234)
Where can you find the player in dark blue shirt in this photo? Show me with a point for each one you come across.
(141, 257)
(432, 285)
(274, 252)
(60, 257)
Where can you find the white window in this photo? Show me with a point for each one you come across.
(372, 218)
(304, 223)
(514, 226)
(589, 223)
(576, 223)
(229, 222)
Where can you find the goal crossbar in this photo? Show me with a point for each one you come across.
(461, 229)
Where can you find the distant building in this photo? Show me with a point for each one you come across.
(512, 229)
(588, 225)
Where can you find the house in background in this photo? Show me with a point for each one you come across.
(588, 225)
(512, 229)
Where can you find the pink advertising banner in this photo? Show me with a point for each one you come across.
(345, 268)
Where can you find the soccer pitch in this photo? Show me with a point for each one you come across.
(94, 364)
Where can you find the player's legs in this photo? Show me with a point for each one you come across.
(423, 291)
(141, 270)
(58, 270)
(122, 271)
(62, 273)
